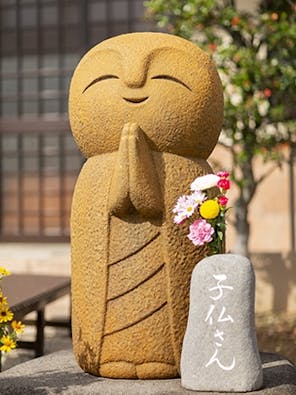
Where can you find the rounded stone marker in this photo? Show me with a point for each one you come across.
(220, 350)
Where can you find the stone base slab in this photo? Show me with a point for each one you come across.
(58, 373)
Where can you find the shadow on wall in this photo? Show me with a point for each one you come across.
(275, 282)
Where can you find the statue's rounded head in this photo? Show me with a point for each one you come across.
(165, 84)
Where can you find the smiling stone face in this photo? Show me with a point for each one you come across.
(165, 84)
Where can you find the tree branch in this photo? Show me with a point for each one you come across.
(267, 173)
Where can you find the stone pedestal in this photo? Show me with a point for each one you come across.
(58, 373)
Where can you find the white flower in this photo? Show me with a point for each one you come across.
(198, 197)
(184, 208)
(187, 8)
(204, 182)
(236, 99)
(252, 124)
(271, 130)
(234, 94)
(240, 125)
(263, 107)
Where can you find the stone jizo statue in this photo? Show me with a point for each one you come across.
(146, 110)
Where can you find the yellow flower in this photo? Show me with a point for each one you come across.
(4, 272)
(5, 314)
(209, 209)
(3, 300)
(8, 344)
(18, 326)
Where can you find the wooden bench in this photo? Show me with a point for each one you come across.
(28, 293)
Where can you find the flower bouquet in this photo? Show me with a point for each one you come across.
(9, 328)
(209, 227)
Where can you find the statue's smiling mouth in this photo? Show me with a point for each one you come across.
(135, 100)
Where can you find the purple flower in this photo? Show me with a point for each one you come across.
(200, 232)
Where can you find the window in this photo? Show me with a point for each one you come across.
(41, 42)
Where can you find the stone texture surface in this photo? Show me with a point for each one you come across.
(146, 110)
(220, 347)
(58, 373)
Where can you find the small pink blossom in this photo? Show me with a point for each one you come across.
(200, 232)
(224, 183)
(222, 200)
(179, 219)
(223, 174)
(184, 208)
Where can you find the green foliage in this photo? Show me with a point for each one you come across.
(256, 58)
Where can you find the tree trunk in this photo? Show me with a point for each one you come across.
(247, 188)
(241, 246)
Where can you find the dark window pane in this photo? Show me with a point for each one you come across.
(30, 164)
(50, 39)
(9, 144)
(9, 86)
(51, 83)
(30, 62)
(71, 14)
(8, 18)
(73, 162)
(50, 106)
(10, 164)
(30, 107)
(8, 43)
(49, 14)
(50, 61)
(98, 33)
(9, 109)
(119, 28)
(29, 41)
(28, 17)
(8, 64)
(30, 143)
(137, 9)
(30, 85)
(97, 12)
(71, 60)
(72, 38)
(119, 10)
(8, 2)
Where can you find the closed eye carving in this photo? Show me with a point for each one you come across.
(170, 78)
(101, 78)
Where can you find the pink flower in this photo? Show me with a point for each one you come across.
(224, 183)
(267, 92)
(223, 174)
(222, 200)
(179, 219)
(200, 232)
(184, 208)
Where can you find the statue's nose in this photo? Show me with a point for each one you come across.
(135, 74)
